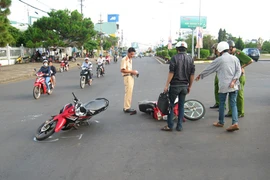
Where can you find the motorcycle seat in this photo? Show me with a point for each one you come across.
(97, 105)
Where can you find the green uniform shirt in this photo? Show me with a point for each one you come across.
(244, 59)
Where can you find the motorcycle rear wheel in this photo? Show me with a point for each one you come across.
(44, 134)
(98, 73)
(193, 110)
(36, 92)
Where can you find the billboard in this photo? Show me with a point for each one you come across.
(135, 45)
(191, 22)
(113, 17)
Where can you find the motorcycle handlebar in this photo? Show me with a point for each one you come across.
(76, 99)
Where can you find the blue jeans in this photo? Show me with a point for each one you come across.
(181, 92)
(47, 80)
(232, 99)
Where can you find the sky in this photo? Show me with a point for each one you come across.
(150, 21)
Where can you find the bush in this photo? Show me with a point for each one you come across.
(204, 53)
(264, 52)
(172, 52)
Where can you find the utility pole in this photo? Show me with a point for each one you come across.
(81, 5)
(100, 22)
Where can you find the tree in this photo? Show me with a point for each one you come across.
(17, 35)
(239, 44)
(5, 37)
(208, 42)
(188, 40)
(222, 35)
(251, 45)
(61, 28)
(90, 45)
(266, 46)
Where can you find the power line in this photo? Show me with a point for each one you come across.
(33, 7)
(45, 4)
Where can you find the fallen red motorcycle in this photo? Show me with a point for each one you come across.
(71, 116)
(40, 86)
(193, 109)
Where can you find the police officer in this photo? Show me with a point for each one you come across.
(244, 61)
(128, 75)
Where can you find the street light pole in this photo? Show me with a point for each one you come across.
(199, 27)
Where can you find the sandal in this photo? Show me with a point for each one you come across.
(166, 128)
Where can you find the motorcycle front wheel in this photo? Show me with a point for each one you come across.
(98, 73)
(45, 130)
(193, 110)
(36, 92)
(82, 82)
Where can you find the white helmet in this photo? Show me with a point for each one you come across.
(181, 44)
(223, 45)
(86, 58)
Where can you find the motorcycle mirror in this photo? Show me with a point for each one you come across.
(78, 64)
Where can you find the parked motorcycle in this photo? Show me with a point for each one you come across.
(40, 86)
(85, 77)
(71, 116)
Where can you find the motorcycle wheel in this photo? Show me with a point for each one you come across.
(193, 110)
(82, 82)
(36, 92)
(45, 130)
(98, 73)
(61, 70)
(66, 127)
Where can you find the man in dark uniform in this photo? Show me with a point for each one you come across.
(244, 61)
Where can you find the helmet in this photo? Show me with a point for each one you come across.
(86, 58)
(181, 44)
(231, 43)
(100, 55)
(223, 45)
(45, 61)
(214, 46)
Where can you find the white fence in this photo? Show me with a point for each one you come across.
(8, 55)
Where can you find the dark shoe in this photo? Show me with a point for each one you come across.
(228, 115)
(166, 128)
(241, 115)
(179, 128)
(129, 110)
(215, 106)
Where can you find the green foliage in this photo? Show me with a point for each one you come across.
(239, 44)
(90, 45)
(204, 53)
(208, 42)
(17, 35)
(266, 46)
(109, 42)
(61, 28)
(188, 40)
(172, 52)
(251, 45)
(5, 37)
(222, 35)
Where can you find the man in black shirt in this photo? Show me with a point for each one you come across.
(180, 79)
(53, 69)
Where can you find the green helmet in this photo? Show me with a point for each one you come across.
(231, 43)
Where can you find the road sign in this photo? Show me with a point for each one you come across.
(113, 17)
(191, 22)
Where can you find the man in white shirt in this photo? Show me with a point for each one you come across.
(100, 62)
(89, 65)
(228, 72)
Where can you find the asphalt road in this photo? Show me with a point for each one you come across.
(117, 146)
